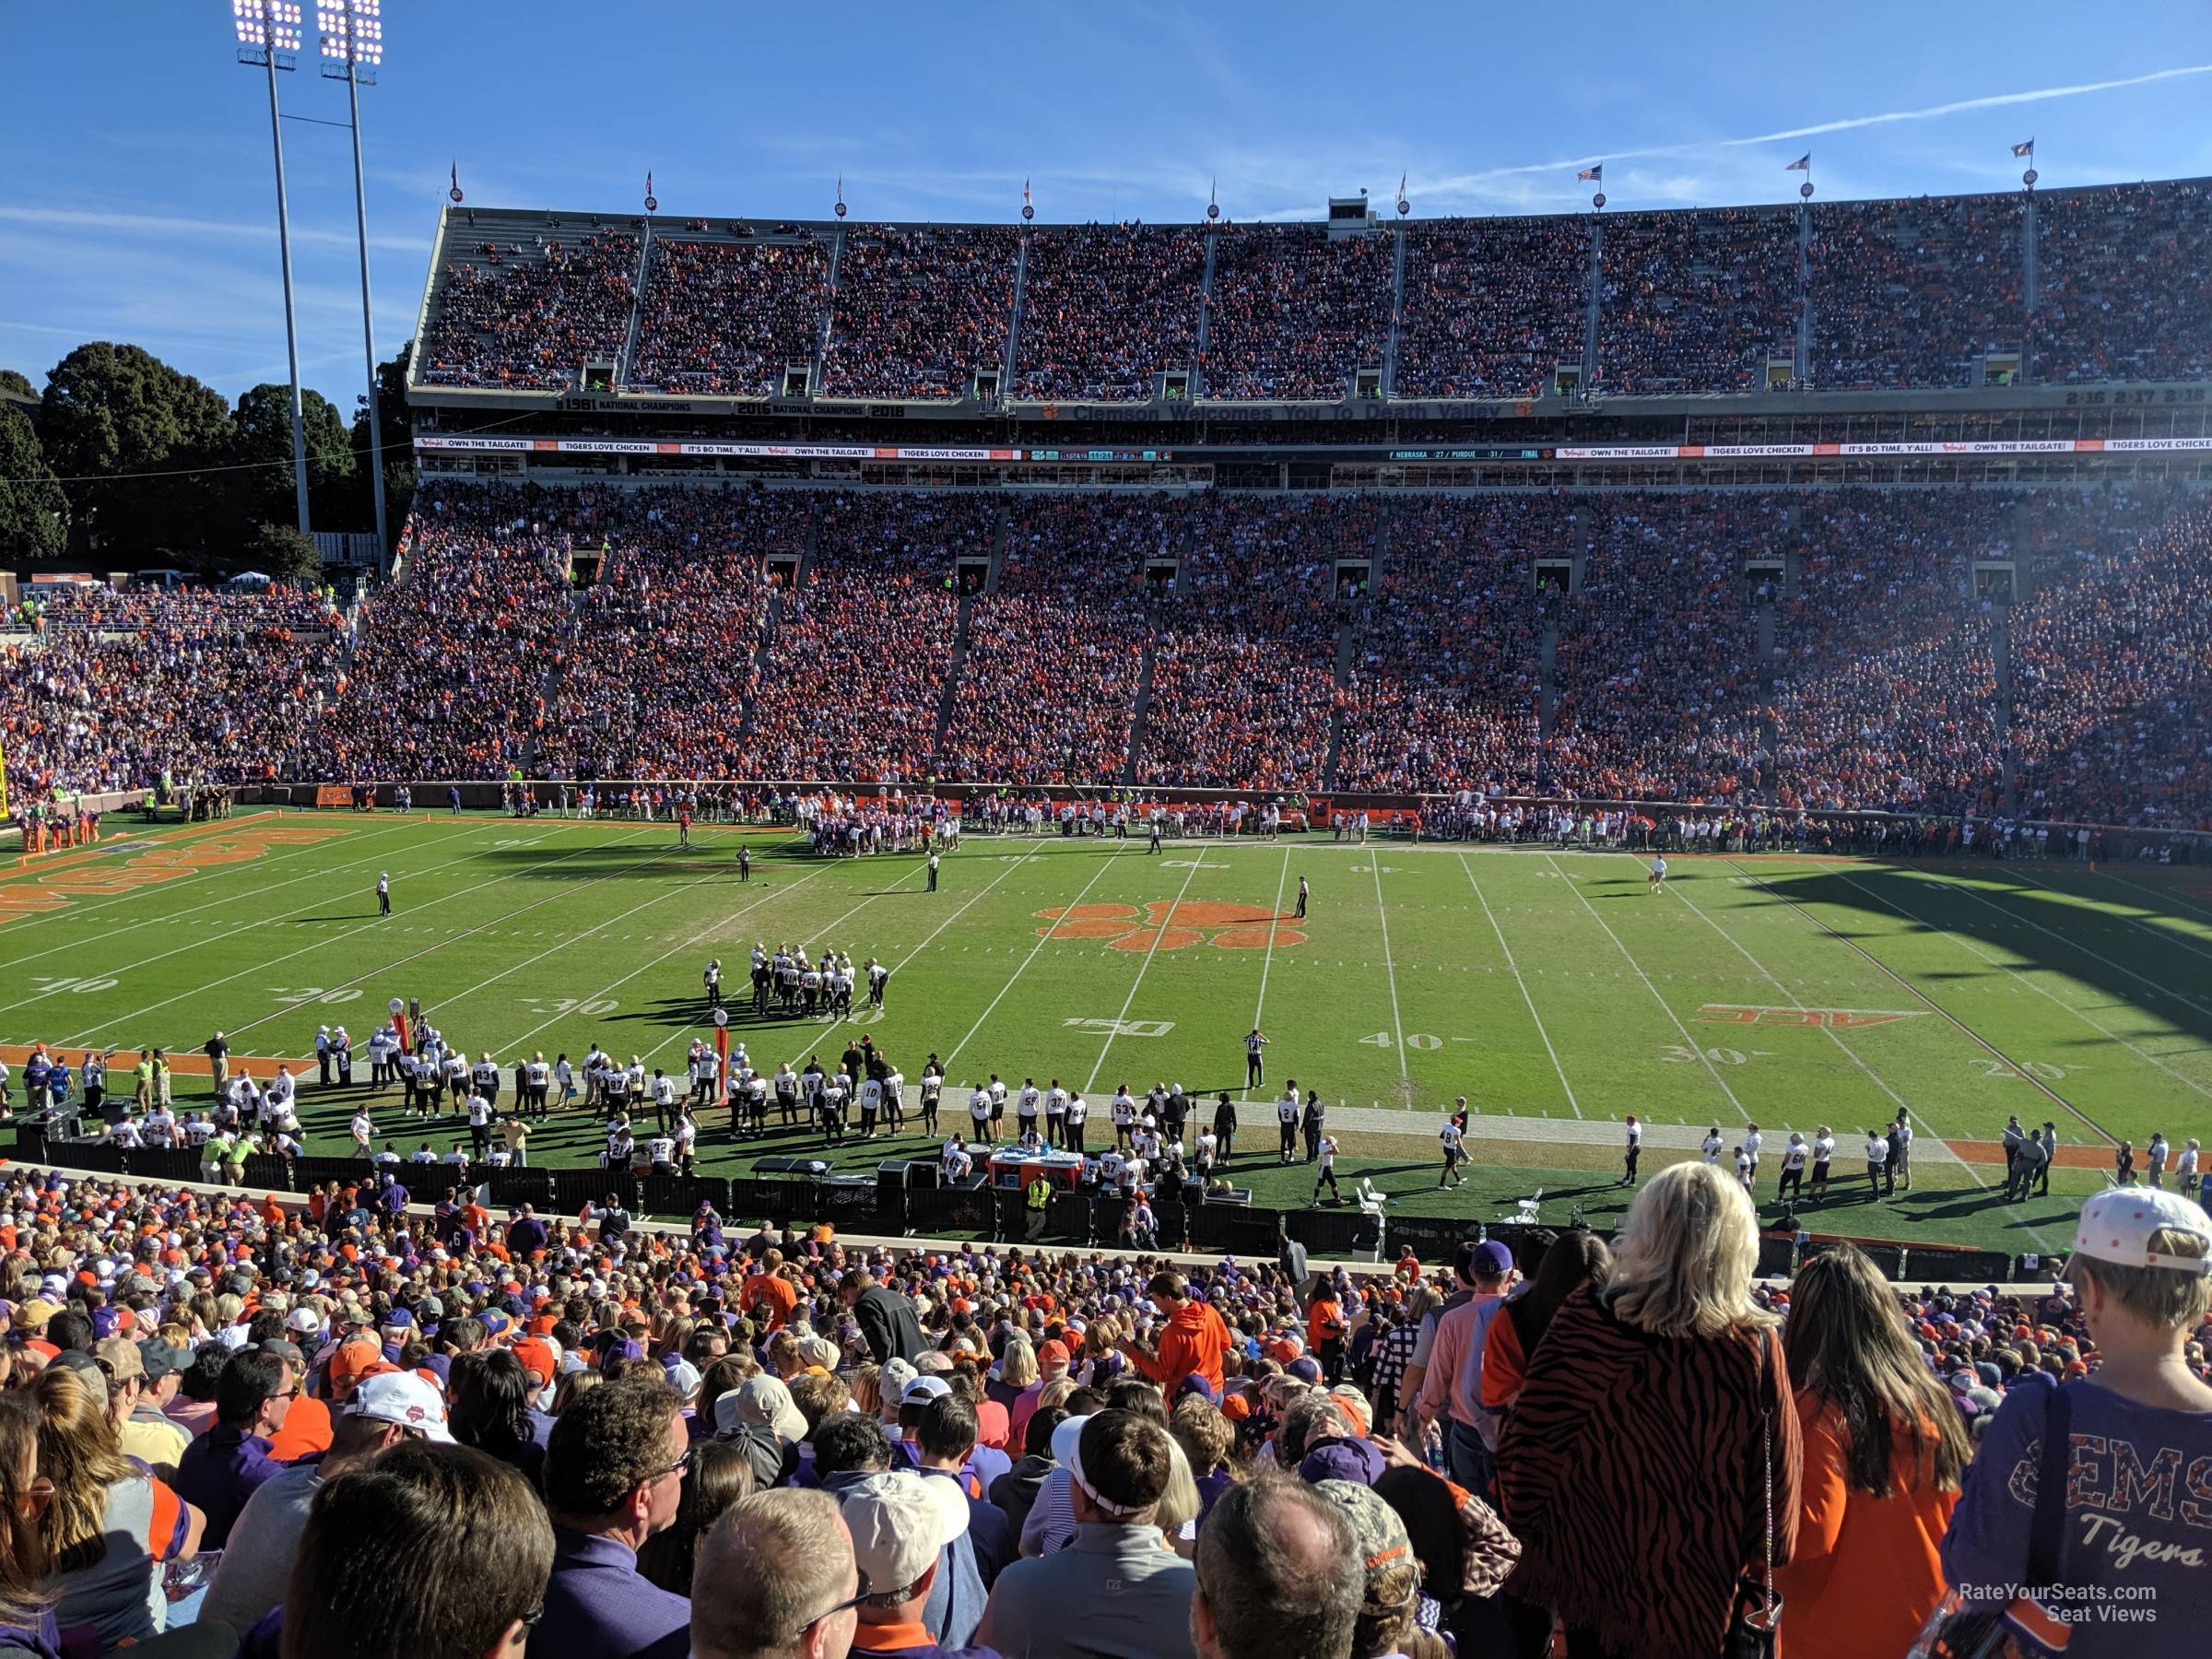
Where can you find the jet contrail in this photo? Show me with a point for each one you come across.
(1994, 100)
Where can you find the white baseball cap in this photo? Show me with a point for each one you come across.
(898, 1522)
(405, 1398)
(923, 1390)
(2116, 1226)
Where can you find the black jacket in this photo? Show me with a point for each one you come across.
(887, 1325)
(1017, 1490)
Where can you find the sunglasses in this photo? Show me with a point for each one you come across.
(843, 1607)
(35, 1498)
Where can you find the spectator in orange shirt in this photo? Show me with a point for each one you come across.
(1885, 1449)
(1193, 1341)
(771, 1290)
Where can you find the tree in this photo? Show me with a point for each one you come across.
(261, 451)
(281, 552)
(15, 381)
(34, 512)
(135, 433)
(398, 435)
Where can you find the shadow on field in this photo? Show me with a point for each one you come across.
(2024, 926)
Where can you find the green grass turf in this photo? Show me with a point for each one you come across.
(1551, 989)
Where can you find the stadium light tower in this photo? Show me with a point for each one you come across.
(353, 45)
(268, 38)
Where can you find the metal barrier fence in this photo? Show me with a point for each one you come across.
(887, 1203)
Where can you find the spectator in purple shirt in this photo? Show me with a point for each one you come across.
(220, 1469)
(526, 1235)
(613, 1477)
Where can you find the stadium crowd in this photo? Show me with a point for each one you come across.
(1292, 314)
(531, 316)
(1243, 677)
(2124, 284)
(917, 313)
(447, 1431)
(1697, 302)
(1048, 693)
(857, 663)
(726, 318)
(1105, 309)
(605, 632)
(1905, 292)
(1492, 307)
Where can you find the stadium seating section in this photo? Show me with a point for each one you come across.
(1890, 295)
(609, 631)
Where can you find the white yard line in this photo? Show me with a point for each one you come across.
(2157, 933)
(2164, 895)
(567, 940)
(1767, 974)
(78, 912)
(682, 944)
(1514, 968)
(2165, 990)
(1390, 973)
(1268, 962)
(260, 920)
(1142, 969)
(1044, 938)
(2101, 1029)
(1689, 1042)
(262, 966)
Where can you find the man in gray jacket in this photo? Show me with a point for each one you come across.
(1114, 1593)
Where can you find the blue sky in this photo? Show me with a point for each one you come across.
(138, 203)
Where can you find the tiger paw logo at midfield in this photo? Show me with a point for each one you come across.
(1164, 925)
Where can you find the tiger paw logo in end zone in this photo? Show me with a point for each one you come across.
(1165, 925)
(1834, 1019)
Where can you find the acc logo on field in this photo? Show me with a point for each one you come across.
(1163, 924)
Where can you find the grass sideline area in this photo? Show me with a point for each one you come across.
(1552, 988)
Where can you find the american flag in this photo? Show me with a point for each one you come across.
(1596, 174)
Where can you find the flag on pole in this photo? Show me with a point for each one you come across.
(456, 175)
(1595, 175)
(2024, 149)
(649, 182)
(841, 187)
(1402, 186)
(1025, 193)
(1213, 191)
(1803, 164)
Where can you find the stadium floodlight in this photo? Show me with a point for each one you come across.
(268, 38)
(267, 26)
(353, 32)
(353, 45)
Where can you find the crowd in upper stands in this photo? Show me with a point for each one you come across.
(917, 313)
(727, 318)
(709, 631)
(1105, 309)
(530, 316)
(1903, 293)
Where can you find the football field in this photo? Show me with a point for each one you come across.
(1551, 988)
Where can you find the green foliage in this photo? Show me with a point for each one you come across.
(398, 436)
(264, 489)
(111, 410)
(34, 510)
(15, 381)
(281, 551)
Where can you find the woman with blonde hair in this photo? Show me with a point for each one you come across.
(111, 1524)
(1884, 1453)
(1650, 1465)
(1016, 1370)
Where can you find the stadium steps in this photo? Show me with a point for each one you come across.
(1596, 290)
(637, 308)
(2000, 656)
(822, 332)
(1205, 320)
(949, 699)
(1000, 533)
(1143, 708)
(1397, 306)
(1547, 686)
(1021, 285)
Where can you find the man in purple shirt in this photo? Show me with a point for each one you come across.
(220, 1469)
(526, 1235)
(613, 1476)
